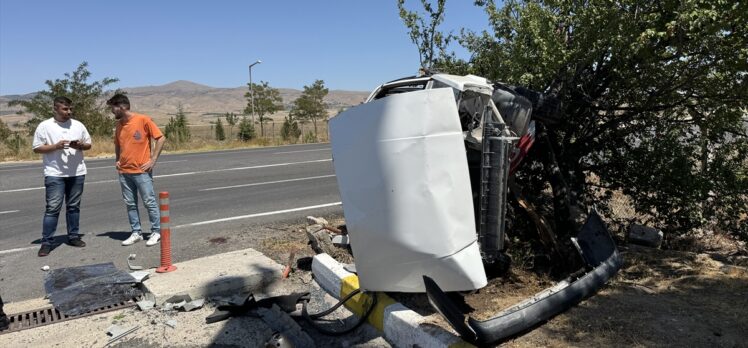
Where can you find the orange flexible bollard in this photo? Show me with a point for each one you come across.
(166, 266)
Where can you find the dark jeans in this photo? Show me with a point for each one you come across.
(70, 189)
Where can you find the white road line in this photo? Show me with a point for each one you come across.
(9, 211)
(242, 168)
(258, 215)
(267, 182)
(317, 150)
(16, 249)
(188, 173)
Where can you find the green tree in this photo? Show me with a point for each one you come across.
(177, 130)
(430, 41)
(290, 130)
(654, 99)
(310, 106)
(220, 135)
(88, 101)
(246, 130)
(267, 101)
(231, 120)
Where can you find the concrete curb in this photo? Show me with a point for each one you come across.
(400, 325)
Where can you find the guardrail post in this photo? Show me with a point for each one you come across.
(166, 266)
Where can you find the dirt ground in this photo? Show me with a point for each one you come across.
(659, 298)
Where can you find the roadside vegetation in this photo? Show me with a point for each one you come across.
(229, 131)
(655, 101)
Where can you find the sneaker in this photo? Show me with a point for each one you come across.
(44, 250)
(76, 243)
(153, 239)
(134, 238)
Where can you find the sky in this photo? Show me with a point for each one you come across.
(351, 45)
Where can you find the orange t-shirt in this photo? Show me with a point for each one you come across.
(134, 141)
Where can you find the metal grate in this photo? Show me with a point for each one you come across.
(51, 315)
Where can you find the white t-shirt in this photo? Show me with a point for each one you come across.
(65, 162)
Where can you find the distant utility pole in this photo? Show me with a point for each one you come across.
(252, 91)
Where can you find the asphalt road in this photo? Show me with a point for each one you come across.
(227, 194)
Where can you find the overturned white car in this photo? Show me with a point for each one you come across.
(422, 168)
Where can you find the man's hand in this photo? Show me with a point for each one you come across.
(148, 166)
(61, 144)
(117, 166)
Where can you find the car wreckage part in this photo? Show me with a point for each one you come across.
(602, 260)
(311, 317)
(404, 181)
(494, 176)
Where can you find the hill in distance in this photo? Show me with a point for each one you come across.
(201, 103)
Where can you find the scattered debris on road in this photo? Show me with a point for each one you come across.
(118, 332)
(131, 257)
(77, 290)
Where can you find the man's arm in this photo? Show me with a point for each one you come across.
(52, 147)
(116, 155)
(155, 152)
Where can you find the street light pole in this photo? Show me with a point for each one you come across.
(252, 91)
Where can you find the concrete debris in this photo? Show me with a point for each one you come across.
(340, 240)
(192, 305)
(320, 240)
(45, 268)
(133, 267)
(171, 323)
(646, 236)
(282, 323)
(118, 332)
(183, 302)
(146, 305)
(314, 228)
(179, 298)
(311, 220)
(140, 276)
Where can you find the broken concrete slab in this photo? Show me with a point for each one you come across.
(179, 298)
(644, 235)
(319, 240)
(192, 305)
(241, 271)
(171, 323)
(146, 305)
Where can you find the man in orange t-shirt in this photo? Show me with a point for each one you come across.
(137, 154)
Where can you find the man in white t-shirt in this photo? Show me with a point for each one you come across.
(62, 140)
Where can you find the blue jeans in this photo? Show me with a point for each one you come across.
(58, 189)
(131, 185)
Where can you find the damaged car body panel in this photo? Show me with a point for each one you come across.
(406, 195)
(423, 168)
(602, 261)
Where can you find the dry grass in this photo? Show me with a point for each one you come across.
(104, 147)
